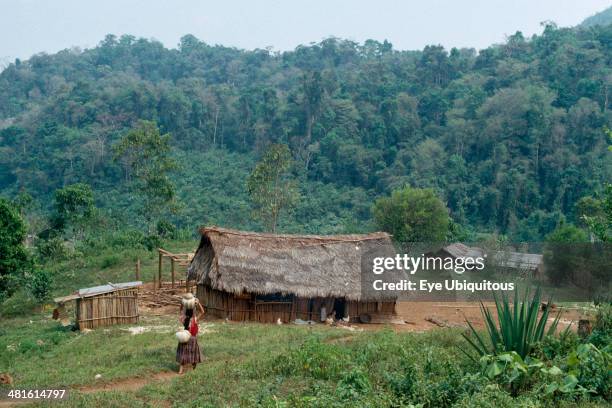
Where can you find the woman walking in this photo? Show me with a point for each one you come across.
(189, 352)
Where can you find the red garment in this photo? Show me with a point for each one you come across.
(193, 327)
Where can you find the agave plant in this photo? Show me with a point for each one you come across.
(518, 327)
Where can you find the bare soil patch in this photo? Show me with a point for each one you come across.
(128, 384)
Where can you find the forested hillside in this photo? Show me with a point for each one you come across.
(602, 18)
(510, 137)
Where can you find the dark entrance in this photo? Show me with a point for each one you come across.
(340, 307)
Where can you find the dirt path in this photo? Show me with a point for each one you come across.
(128, 384)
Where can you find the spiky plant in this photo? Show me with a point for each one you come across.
(518, 327)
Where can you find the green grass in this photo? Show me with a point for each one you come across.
(245, 364)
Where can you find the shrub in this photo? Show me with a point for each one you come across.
(591, 368)
(405, 384)
(553, 347)
(110, 261)
(14, 258)
(519, 327)
(602, 329)
(603, 318)
(511, 371)
(39, 284)
(52, 249)
(353, 385)
(166, 229)
(315, 359)
(490, 397)
(152, 242)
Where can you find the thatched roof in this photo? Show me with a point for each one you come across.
(302, 265)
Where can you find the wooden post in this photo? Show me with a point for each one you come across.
(159, 270)
(138, 269)
(172, 270)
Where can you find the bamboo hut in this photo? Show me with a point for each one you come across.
(265, 277)
(106, 305)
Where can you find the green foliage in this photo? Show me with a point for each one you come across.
(146, 156)
(599, 215)
(166, 229)
(52, 249)
(14, 258)
(152, 242)
(601, 336)
(509, 138)
(589, 369)
(353, 385)
(110, 261)
(74, 203)
(603, 318)
(564, 253)
(512, 371)
(270, 186)
(39, 284)
(567, 234)
(553, 347)
(412, 215)
(518, 327)
(490, 397)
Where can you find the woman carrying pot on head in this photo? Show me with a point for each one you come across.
(188, 351)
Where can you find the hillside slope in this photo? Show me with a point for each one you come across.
(510, 137)
(602, 18)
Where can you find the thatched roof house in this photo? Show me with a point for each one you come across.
(242, 274)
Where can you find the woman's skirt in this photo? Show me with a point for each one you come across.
(188, 353)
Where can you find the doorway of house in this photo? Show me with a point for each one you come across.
(340, 307)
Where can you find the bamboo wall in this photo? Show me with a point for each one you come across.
(246, 307)
(120, 307)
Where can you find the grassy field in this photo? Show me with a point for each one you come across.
(244, 364)
(249, 365)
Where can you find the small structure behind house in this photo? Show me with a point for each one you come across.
(105, 305)
(528, 265)
(181, 260)
(456, 251)
(506, 262)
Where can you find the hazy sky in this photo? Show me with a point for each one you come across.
(31, 26)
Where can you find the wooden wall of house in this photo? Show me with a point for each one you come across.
(246, 307)
(120, 307)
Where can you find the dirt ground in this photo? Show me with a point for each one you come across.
(417, 315)
(420, 316)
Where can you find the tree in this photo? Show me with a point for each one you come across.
(14, 258)
(412, 215)
(598, 217)
(74, 207)
(270, 186)
(147, 155)
(564, 253)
